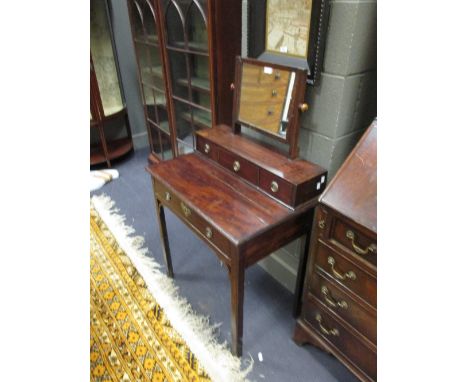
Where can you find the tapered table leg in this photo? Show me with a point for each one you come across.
(236, 276)
(164, 238)
(301, 276)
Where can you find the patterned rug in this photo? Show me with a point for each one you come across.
(132, 337)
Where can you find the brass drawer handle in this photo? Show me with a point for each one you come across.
(274, 93)
(348, 275)
(236, 166)
(331, 301)
(206, 148)
(371, 248)
(167, 196)
(274, 187)
(185, 209)
(208, 232)
(328, 332)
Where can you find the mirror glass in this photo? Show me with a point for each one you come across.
(265, 98)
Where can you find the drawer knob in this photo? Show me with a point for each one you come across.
(206, 148)
(331, 301)
(328, 332)
(348, 275)
(303, 107)
(185, 209)
(208, 232)
(371, 248)
(274, 93)
(167, 196)
(274, 186)
(236, 166)
(321, 224)
(269, 112)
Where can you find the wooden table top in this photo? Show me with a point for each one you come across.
(238, 210)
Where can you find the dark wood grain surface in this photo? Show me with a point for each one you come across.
(293, 171)
(223, 199)
(353, 191)
(339, 311)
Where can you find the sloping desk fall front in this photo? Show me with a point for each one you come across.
(240, 223)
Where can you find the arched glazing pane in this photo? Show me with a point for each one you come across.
(137, 21)
(174, 25)
(197, 34)
(149, 22)
(104, 59)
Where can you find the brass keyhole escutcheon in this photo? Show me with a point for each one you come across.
(206, 148)
(208, 232)
(274, 186)
(277, 75)
(167, 196)
(321, 224)
(274, 93)
(236, 166)
(232, 86)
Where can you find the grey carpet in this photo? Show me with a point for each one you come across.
(268, 323)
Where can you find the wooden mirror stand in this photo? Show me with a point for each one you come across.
(269, 98)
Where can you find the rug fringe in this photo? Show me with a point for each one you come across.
(196, 330)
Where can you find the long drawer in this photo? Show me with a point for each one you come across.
(185, 212)
(361, 317)
(348, 274)
(343, 343)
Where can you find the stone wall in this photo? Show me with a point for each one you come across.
(341, 106)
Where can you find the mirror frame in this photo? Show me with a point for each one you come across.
(295, 107)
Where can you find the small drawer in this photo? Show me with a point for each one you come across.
(363, 319)
(276, 187)
(207, 148)
(181, 209)
(346, 273)
(354, 240)
(358, 352)
(238, 165)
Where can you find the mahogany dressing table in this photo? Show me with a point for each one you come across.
(242, 198)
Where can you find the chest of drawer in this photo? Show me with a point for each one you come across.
(361, 317)
(346, 273)
(292, 182)
(361, 354)
(184, 211)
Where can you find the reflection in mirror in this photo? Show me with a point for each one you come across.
(265, 98)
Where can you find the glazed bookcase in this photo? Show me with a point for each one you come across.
(186, 54)
(110, 130)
